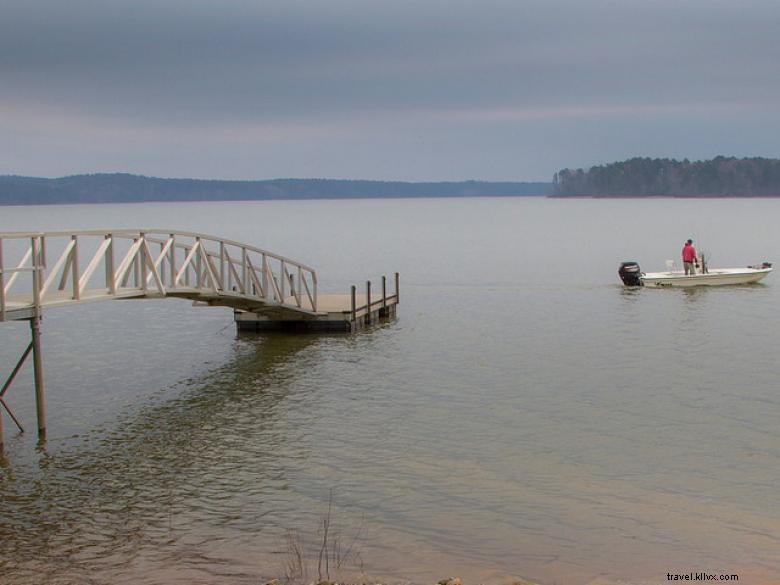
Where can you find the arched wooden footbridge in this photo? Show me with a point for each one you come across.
(41, 270)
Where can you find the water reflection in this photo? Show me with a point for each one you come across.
(208, 459)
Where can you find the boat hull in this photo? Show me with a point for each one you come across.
(716, 277)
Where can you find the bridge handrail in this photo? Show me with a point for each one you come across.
(250, 272)
(127, 232)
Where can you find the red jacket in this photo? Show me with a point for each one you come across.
(688, 253)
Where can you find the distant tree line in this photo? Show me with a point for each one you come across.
(638, 177)
(127, 188)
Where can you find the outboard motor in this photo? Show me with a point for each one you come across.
(630, 274)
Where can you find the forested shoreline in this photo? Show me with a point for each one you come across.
(635, 177)
(663, 177)
(128, 188)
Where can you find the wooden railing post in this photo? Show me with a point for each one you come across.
(244, 275)
(198, 265)
(172, 260)
(142, 257)
(42, 253)
(162, 260)
(265, 280)
(397, 297)
(74, 268)
(109, 263)
(223, 285)
(36, 281)
(229, 265)
(384, 292)
(137, 261)
(299, 288)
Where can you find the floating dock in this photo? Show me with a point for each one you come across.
(346, 313)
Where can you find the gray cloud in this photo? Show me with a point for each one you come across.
(425, 89)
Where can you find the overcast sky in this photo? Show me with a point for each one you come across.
(382, 89)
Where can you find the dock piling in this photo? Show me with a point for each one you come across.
(40, 405)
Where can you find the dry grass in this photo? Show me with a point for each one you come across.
(333, 557)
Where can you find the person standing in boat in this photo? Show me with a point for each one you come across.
(689, 258)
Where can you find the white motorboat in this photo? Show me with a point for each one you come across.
(632, 275)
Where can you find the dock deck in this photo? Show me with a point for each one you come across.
(335, 312)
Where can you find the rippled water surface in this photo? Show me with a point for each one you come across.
(525, 414)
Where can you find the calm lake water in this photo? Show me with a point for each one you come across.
(525, 414)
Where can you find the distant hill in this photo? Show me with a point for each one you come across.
(646, 177)
(126, 188)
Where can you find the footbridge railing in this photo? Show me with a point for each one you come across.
(39, 269)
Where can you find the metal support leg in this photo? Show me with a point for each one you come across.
(40, 405)
(11, 414)
(7, 385)
(9, 381)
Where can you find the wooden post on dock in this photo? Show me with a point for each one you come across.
(384, 292)
(368, 302)
(354, 308)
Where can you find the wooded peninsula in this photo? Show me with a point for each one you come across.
(663, 177)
